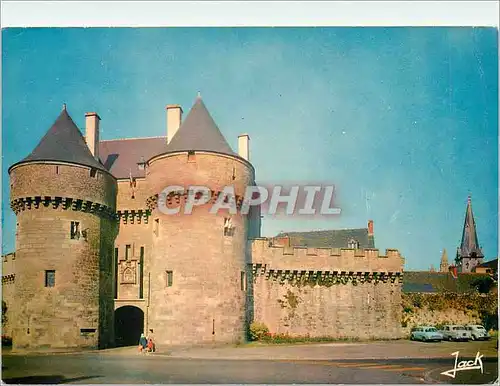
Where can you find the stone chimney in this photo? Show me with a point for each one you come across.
(174, 120)
(371, 236)
(243, 146)
(370, 228)
(92, 133)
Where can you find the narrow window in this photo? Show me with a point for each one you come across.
(228, 227)
(57, 169)
(93, 172)
(191, 156)
(50, 278)
(243, 281)
(141, 274)
(116, 273)
(127, 252)
(170, 278)
(156, 227)
(75, 230)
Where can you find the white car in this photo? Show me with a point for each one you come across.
(477, 332)
(456, 332)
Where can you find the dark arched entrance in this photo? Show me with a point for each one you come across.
(129, 325)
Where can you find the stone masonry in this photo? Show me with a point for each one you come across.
(322, 292)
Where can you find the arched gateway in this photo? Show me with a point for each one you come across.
(129, 324)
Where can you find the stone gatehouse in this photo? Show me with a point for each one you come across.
(97, 263)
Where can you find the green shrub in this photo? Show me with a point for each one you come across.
(258, 331)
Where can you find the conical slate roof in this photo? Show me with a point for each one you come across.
(64, 142)
(199, 132)
(469, 243)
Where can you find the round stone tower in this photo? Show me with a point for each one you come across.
(65, 203)
(198, 262)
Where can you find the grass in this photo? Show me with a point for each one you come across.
(299, 340)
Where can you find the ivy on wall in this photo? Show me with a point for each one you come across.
(475, 304)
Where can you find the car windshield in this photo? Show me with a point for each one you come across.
(480, 327)
(458, 328)
(432, 329)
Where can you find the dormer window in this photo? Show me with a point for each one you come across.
(141, 165)
(353, 244)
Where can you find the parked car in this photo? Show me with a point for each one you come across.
(456, 332)
(426, 334)
(477, 332)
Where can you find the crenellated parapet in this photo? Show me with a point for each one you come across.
(179, 199)
(8, 279)
(133, 216)
(324, 278)
(66, 203)
(329, 262)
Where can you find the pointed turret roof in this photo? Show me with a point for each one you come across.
(63, 142)
(199, 132)
(470, 244)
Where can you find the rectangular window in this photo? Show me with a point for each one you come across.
(50, 278)
(75, 230)
(116, 273)
(243, 283)
(93, 172)
(170, 278)
(127, 252)
(57, 169)
(156, 226)
(191, 156)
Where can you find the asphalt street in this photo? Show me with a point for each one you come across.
(127, 366)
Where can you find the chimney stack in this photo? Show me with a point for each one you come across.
(174, 120)
(92, 133)
(243, 146)
(370, 228)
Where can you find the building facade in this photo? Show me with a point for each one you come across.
(97, 261)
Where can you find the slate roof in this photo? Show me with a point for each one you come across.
(199, 132)
(433, 282)
(470, 243)
(121, 156)
(489, 264)
(63, 142)
(330, 238)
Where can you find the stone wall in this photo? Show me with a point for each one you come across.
(8, 278)
(327, 292)
(434, 309)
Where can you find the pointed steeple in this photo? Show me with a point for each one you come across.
(63, 142)
(443, 266)
(199, 132)
(469, 246)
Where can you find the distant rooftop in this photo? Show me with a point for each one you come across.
(434, 282)
(339, 238)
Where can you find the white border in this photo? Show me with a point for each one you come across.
(248, 13)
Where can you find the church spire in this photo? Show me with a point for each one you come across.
(469, 247)
(443, 267)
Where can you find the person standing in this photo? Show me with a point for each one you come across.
(143, 342)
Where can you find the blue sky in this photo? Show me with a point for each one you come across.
(404, 121)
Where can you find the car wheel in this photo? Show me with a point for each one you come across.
(449, 338)
(424, 339)
(472, 337)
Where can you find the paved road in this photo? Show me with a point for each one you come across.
(282, 365)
